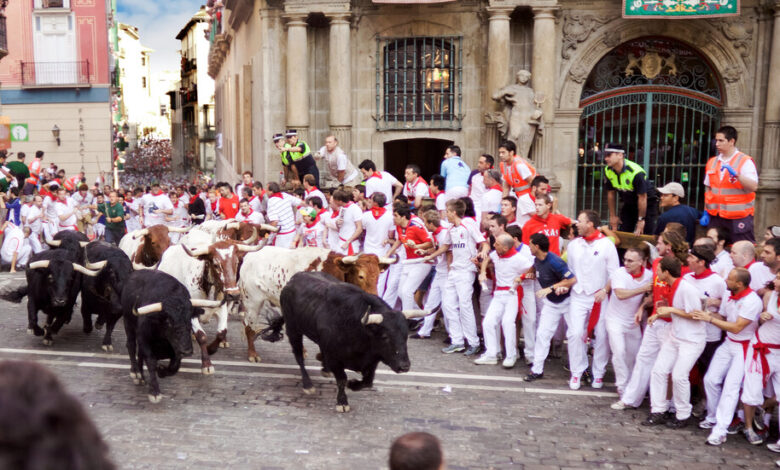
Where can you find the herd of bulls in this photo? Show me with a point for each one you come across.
(163, 291)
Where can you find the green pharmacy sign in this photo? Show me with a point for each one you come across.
(679, 8)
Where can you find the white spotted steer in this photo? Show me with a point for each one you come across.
(209, 271)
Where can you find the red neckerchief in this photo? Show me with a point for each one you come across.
(596, 235)
(375, 174)
(262, 193)
(378, 212)
(511, 221)
(321, 211)
(313, 222)
(214, 205)
(279, 195)
(641, 272)
(157, 193)
(496, 186)
(511, 252)
(335, 213)
(533, 198)
(706, 273)
(128, 200)
(438, 230)
(411, 186)
(176, 206)
(674, 289)
(246, 216)
(252, 198)
(313, 188)
(743, 293)
(747, 266)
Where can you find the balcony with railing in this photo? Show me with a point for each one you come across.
(56, 74)
(3, 37)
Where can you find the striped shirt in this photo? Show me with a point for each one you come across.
(281, 209)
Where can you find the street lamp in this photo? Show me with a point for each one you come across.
(55, 131)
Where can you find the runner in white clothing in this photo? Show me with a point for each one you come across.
(379, 181)
(311, 190)
(179, 217)
(743, 253)
(491, 198)
(247, 214)
(378, 225)
(441, 239)
(281, 213)
(349, 223)
(738, 317)
(415, 188)
(15, 250)
(157, 205)
(477, 185)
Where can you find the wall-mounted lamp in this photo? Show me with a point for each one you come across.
(55, 131)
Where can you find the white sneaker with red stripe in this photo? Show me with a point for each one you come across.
(597, 383)
(574, 383)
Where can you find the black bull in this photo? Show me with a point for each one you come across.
(354, 330)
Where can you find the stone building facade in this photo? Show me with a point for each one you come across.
(397, 83)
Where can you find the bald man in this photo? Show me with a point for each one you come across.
(743, 254)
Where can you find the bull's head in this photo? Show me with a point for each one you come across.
(363, 270)
(60, 276)
(222, 260)
(155, 241)
(109, 283)
(389, 331)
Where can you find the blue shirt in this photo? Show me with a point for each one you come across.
(14, 208)
(686, 215)
(551, 270)
(455, 173)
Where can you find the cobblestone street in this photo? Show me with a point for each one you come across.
(256, 416)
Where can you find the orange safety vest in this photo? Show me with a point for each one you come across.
(70, 183)
(514, 180)
(35, 170)
(726, 197)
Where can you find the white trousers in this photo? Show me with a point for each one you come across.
(722, 383)
(501, 315)
(601, 349)
(22, 255)
(456, 193)
(392, 283)
(433, 301)
(458, 309)
(284, 240)
(654, 336)
(529, 319)
(753, 383)
(412, 275)
(580, 306)
(485, 296)
(676, 357)
(549, 321)
(624, 341)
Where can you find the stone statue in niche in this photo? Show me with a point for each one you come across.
(521, 119)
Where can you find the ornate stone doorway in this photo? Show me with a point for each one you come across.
(425, 153)
(661, 99)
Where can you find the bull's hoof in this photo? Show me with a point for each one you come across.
(30, 331)
(241, 314)
(98, 326)
(326, 373)
(318, 356)
(309, 391)
(207, 370)
(254, 358)
(47, 342)
(138, 379)
(155, 398)
(35, 330)
(224, 344)
(107, 348)
(342, 408)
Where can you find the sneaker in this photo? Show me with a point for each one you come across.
(774, 446)
(758, 419)
(619, 406)
(574, 383)
(486, 360)
(453, 348)
(716, 440)
(736, 426)
(472, 350)
(532, 376)
(675, 423)
(418, 336)
(597, 383)
(655, 419)
(509, 362)
(704, 424)
(753, 437)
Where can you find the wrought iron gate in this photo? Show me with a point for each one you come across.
(670, 134)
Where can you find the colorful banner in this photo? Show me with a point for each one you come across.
(679, 8)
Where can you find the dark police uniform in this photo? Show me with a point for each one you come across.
(629, 184)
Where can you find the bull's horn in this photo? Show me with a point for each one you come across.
(139, 266)
(141, 233)
(85, 271)
(205, 303)
(350, 259)
(200, 251)
(415, 313)
(249, 248)
(98, 266)
(54, 243)
(151, 308)
(39, 264)
(179, 229)
(388, 259)
(232, 225)
(83, 244)
(252, 239)
(270, 228)
(373, 319)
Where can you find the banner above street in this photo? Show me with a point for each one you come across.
(671, 9)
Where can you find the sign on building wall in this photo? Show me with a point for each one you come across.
(5, 132)
(679, 8)
(20, 133)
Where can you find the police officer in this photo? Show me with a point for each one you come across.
(302, 160)
(639, 200)
(283, 147)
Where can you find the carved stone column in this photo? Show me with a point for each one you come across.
(543, 79)
(340, 80)
(498, 51)
(297, 73)
(768, 193)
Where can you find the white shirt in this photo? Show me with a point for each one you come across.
(23, 211)
(710, 287)
(337, 161)
(686, 298)
(769, 332)
(722, 264)
(253, 217)
(623, 310)
(383, 184)
(491, 201)
(63, 208)
(510, 267)
(82, 201)
(760, 274)
(329, 220)
(477, 190)
(415, 189)
(12, 243)
(256, 204)
(282, 210)
(592, 263)
(312, 236)
(464, 239)
(350, 215)
(35, 225)
(377, 231)
(152, 202)
(181, 218)
(748, 307)
(315, 192)
(441, 202)
(50, 210)
(748, 169)
(442, 238)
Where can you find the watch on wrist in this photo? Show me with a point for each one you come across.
(640, 219)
